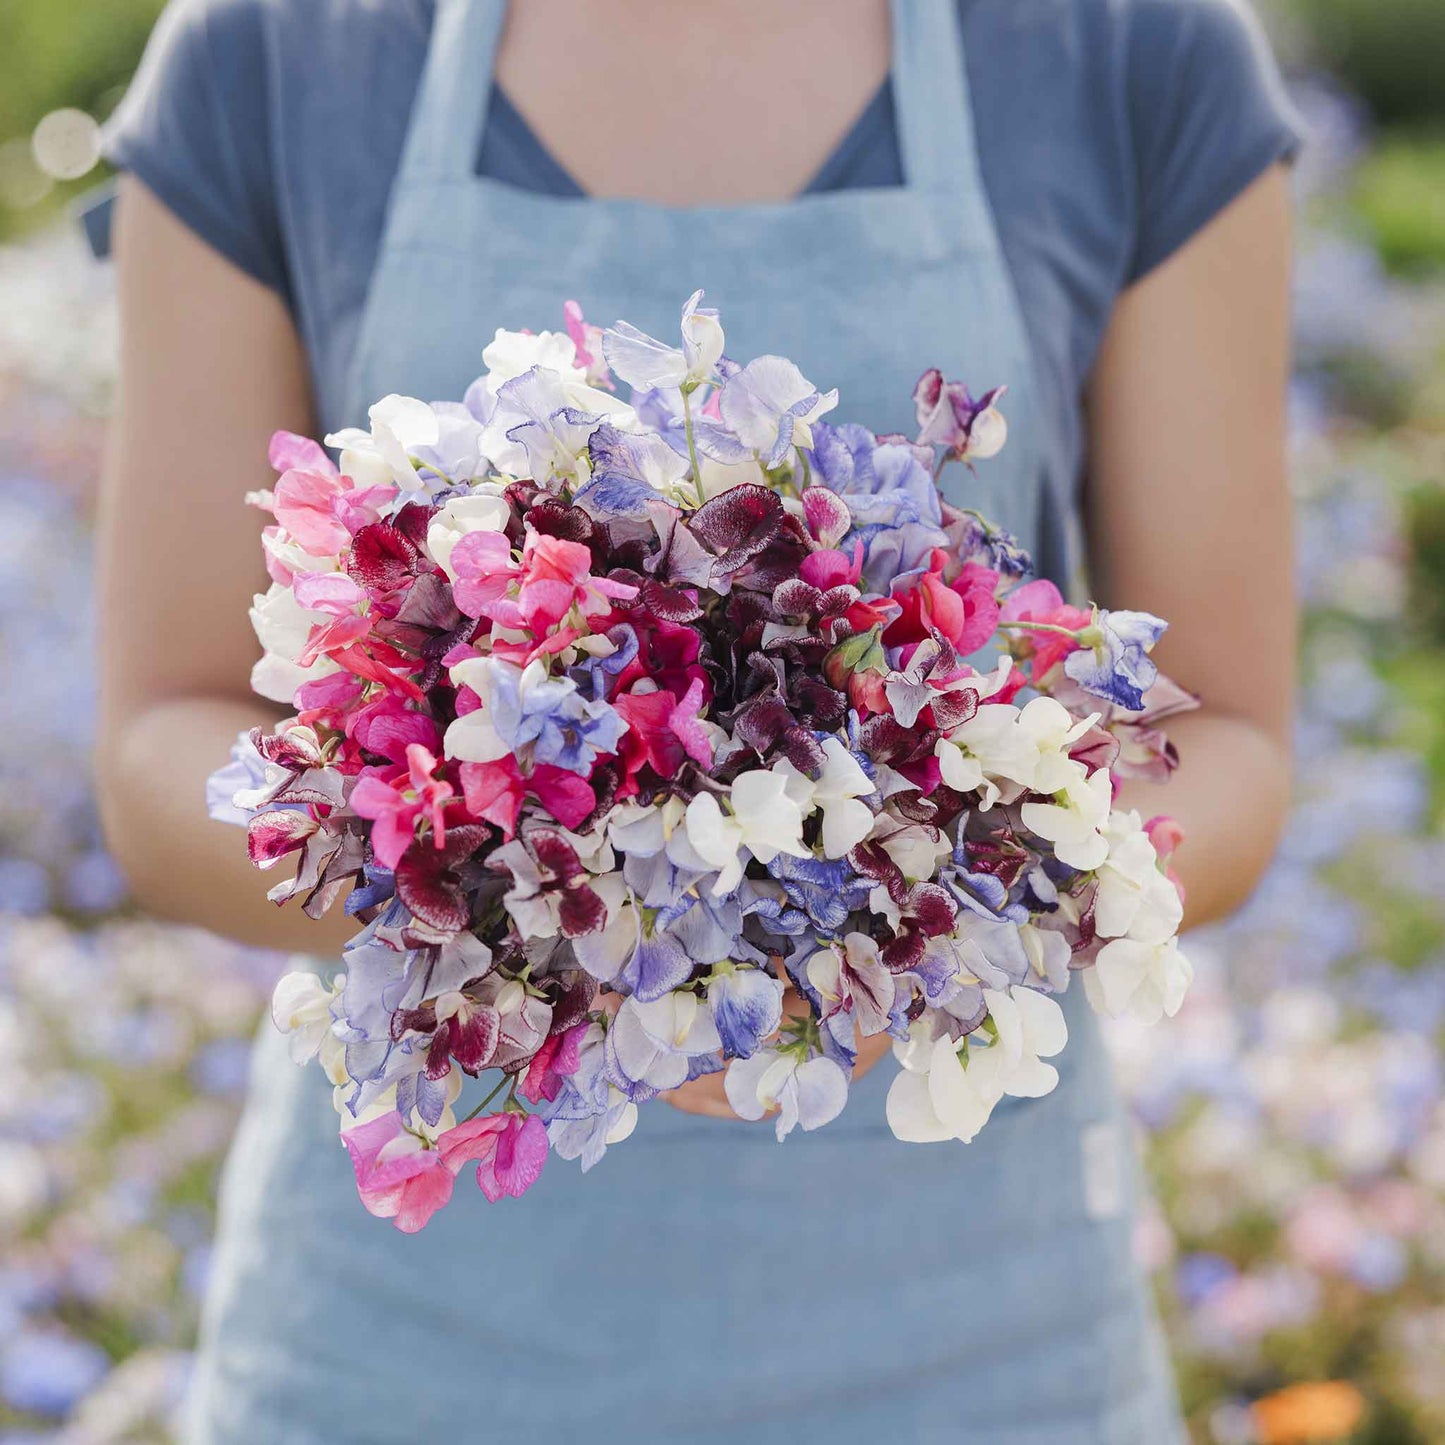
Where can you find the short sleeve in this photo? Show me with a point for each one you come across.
(194, 127)
(1208, 115)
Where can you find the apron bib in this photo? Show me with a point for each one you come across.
(703, 1283)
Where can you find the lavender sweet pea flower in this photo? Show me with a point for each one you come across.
(890, 495)
(629, 473)
(563, 727)
(247, 773)
(826, 890)
(1114, 661)
(645, 363)
(747, 1006)
(535, 430)
(770, 406)
(810, 1092)
(457, 454)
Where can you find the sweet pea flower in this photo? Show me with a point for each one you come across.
(283, 627)
(963, 612)
(853, 979)
(1113, 661)
(948, 1091)
(771, 405)
(510, 1150)
(483, 509)
(510, 354)
(766, 819)
(840, 783)
(400, 426)
(301, 1008)
(949, 417)
(805, 1091)
(746, 1004)
(1134, 898)
(1042, 602)
(645, 363)
(394, 800)
(528, 713)
(587, 346)
(1139, 981)
(399, 1175)
(320, 511)
(1026, 748)
(1074, 820)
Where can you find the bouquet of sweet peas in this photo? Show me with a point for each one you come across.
(615, 721)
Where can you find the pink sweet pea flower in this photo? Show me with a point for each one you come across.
(553, 1063)
(828, 568)
(319, 507)
(387, 726)
(395, 799)
(510, 1150)
(587, 343)
(963, 612)
(397, 1175)
(1041, 601)
(662, 731)
(494, 792)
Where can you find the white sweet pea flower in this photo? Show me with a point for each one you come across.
(282, 548)
(1134, 897)
(948, 1090)
(1073, 821)
(399, 425)
(509, 353)
(840, 783)
(1021, 748)
(472, 737)
(679, 1020)
(282, 626)
(810, 1092)
(483, 509)
(765, 820)
(301, 1009)
(1139, 981)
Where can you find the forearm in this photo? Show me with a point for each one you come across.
(181, 865)
(1230, 794)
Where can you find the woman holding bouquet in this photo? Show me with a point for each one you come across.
(330, 200)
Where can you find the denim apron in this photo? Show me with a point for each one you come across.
(703, 1283)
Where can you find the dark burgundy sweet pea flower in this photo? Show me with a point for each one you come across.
(429, 882)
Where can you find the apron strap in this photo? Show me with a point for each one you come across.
(932, 100)
(450, 109)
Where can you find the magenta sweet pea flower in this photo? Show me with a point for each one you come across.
(399, 1176)
(396, 798)
(510, 1150)
(553, 1064)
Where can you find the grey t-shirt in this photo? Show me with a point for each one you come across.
(1110, 131)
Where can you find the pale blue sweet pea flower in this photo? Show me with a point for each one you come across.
(1114, 661)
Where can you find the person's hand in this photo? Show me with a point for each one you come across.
(708, 1095)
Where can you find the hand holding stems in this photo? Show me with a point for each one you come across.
(708, 1095)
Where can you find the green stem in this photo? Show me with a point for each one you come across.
(691, 442)
(506, 1079)
(1042, 627)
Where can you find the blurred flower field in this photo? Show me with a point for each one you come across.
(1293, 1115)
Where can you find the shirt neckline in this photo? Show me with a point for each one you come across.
(533, 158)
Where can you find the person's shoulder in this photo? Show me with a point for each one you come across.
(1101, 30)
(240, 35)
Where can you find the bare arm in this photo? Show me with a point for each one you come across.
(1189, 518)
(210, 366)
